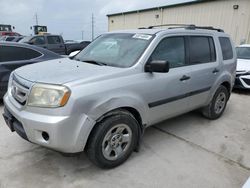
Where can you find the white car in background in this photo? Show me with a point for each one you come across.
(243, 67)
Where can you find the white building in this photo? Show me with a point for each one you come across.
(233, 16)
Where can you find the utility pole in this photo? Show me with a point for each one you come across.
(36, 16)
(92, 26)
(82, 34)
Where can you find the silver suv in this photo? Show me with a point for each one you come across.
(101, 100)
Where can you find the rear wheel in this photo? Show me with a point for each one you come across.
(218, 104)
(113, 140)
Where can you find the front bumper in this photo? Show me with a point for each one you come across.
(242, 82)
(67, 134)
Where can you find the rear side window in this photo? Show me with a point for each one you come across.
(54, 40)
(12, 53)
(171, 49)
(202, 49)
(226, 47)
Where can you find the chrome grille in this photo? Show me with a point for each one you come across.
(20, 89)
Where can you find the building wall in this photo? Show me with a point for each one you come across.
(218, 13)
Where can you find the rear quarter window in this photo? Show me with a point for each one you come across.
(13, 53)
(226, 48)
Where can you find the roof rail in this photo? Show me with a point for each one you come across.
(186, 26)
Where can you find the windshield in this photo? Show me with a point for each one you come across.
(119, 50)
(5, 28)
(25, 39)
(243, 52)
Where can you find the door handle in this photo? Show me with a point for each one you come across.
(216, 70)
(184, 77)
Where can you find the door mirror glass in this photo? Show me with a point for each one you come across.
(157, 66)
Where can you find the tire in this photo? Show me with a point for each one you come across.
(218, 104)
(113, 139)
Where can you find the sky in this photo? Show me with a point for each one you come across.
(70, 18)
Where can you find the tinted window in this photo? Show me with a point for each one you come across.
(38, 40)
(11, 53)
(226, 47)
(171, 49)
(243, 52)
(10, 38)
(202, 50)
(54, 40)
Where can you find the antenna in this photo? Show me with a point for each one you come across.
(92, 26)
(36, 17)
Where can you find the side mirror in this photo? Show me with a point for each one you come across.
(157, 66)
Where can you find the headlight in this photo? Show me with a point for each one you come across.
(48, 96)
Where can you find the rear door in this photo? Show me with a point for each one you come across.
(204, 69)
(56, 44)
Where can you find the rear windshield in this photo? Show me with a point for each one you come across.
(243, 52)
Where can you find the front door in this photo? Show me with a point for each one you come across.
(56, 45)
(166, 92)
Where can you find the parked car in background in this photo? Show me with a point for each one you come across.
(242, 80)
(11, 38)
(102, 100)
(9, 33)
(15, 55)
(54, 43)
(76, 46)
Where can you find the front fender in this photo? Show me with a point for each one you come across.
(108, 105)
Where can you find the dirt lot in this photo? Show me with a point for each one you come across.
(187, 151)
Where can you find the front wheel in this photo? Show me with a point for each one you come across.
(218, 104)
(113, 140)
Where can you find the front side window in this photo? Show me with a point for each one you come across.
(170, 49)
(38, 40)
(119, 50)
(12, 53)
(243, 52)
(54, 40)
(226, 47)
(201, 49)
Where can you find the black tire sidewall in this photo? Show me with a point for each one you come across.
(95, 149)
(212, 105)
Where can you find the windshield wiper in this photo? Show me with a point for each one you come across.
(94, 62)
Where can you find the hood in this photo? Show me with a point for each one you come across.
(243, 65)
(64, 70)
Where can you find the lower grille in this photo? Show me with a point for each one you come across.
(247, 81)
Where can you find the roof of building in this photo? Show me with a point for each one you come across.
(161, 7)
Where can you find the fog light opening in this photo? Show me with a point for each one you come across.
(45, 136)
